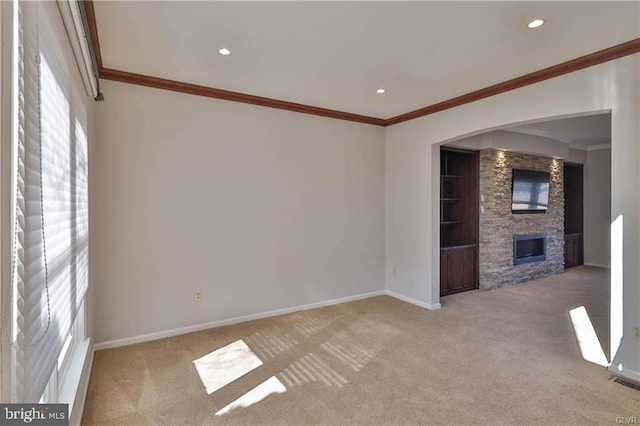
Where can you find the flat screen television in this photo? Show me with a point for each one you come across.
(530, 191)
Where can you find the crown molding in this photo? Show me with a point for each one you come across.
(601, 56)
(590, 147)
(599, 147)
(93, 31)
(211, 92)
(192, 89)
(573, 65)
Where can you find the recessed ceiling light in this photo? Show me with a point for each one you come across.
(224, 51)
(536, 23)
(380, 91)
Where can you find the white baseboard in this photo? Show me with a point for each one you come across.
(625, 373)
(596, 265)
(412, 301)
(198, 327)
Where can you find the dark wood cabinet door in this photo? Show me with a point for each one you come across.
(444, 275)
(457, 269)
(572, 250)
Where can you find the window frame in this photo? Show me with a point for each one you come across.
(65, 374)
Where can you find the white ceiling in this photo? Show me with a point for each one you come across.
(336, 54)
(578, 132)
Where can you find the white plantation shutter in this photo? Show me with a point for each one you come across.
(51, 237)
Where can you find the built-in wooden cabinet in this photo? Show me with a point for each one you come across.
(458, 266)
(573, 215)
(458, 221)
(573, 250)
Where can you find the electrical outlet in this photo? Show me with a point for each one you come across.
(636, 332)
(198, 296)
(394, 273)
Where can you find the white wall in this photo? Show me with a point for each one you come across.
(597, 208)
(261, 209)
(517, 142)
(408, 214)
(577, 156)
(412, 167)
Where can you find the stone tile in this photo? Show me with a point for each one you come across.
(498, 224)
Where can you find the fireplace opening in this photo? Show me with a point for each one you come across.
(529, 248)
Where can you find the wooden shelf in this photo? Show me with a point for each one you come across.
(457, 247)
(450, 177)
(450, 199)
(451, 222)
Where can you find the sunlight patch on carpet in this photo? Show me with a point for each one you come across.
(270, 386)
(269, 344)
(587, 338)
(222, 366)
(310, 368)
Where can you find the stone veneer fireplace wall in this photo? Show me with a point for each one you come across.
(498, 225)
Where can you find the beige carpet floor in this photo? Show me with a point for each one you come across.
(506, 356)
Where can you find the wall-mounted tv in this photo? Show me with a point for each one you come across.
(530, 191)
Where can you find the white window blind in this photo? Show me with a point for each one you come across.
(50, 272)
